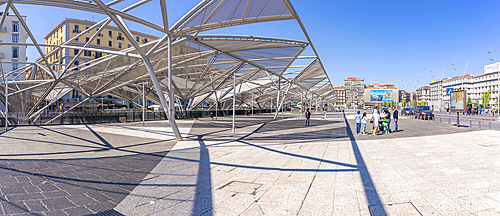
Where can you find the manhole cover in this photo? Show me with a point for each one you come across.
(241, 187)
(406, 208)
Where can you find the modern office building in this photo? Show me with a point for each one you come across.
(13, 56)
(354, 91)
(340, 93)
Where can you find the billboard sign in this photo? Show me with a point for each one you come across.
(458, 101)
(381, 95)
(492, 68)
(448, 90)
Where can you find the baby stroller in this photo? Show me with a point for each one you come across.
(383, 126)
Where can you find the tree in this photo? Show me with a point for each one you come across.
(419, 103)
(469, 101)
(486, 98)
(414, 102)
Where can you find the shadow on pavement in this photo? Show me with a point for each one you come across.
(370, 190)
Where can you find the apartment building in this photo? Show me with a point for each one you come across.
(485, 83)
(354, 91)
(13, 56)
(423, 94)
(340, 93)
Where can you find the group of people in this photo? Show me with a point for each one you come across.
(381, 121)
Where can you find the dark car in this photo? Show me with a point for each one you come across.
(423, 112)
(407, 111)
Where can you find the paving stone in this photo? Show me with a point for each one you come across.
(13, 190)
(35, 206)
(14, 208)
(81, 199)
(78, 211)
(47, 187)
(52, 194)
(55, 213)
(19, 197)
(102, 206)
(57, 203)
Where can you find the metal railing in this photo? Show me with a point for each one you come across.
(115, 116)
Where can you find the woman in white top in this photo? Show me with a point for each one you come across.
(375, 118)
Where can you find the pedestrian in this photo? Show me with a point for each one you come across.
(374, 120)
(358, 122)
(395, 116)
(324, 113)
(212, 115)
(388, 116)
(308, 116)
(363, 123)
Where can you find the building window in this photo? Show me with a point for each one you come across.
(76, 30)
(98, 41)
(76, 39)
(119, 45)
(110, 33)
(75, 52)
(137, 39)
(15, 51)
(88, 53)
(110, 43)
(14, 66)
(98, 55)
(128, 46)
(87, 39)
(145, 40)
(15, 26)
(15, 38)
(86, 27)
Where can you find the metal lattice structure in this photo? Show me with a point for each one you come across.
(196, 68)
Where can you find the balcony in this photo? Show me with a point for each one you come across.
(76, 31)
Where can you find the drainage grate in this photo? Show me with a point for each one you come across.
(406, 208)
(241, 187)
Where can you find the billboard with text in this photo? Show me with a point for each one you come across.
(381, 95)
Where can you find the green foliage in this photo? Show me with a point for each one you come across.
(469, 101)
(414, 102)
(486, 98)
(419, 103)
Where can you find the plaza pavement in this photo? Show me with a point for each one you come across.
(268, 167)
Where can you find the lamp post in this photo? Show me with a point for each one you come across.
(234, 99)
(498, 82)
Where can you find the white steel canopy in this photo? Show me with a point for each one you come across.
(201, 65)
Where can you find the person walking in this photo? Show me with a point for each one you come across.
(324, 113)
(358, 122)
(375, 118)
(363, 123)
(395, 116)
(308, 116)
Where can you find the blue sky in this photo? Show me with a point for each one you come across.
(381, 41)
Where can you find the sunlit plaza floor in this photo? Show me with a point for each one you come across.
(267, 167)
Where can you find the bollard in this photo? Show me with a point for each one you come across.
(449, 120)
(470, 123)
(479, 124)
(440, 120)
(489, 125)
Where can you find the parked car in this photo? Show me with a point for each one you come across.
(407, 111)
(424, 113)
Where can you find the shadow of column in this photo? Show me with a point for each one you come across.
(203, 196)
(374, 203)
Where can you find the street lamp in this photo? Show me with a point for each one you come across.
(498, 82)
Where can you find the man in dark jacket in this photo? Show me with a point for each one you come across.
(308, 116)
(395, 116)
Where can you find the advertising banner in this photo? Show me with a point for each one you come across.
(458, 102)
(381, 95)
(296, 105)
